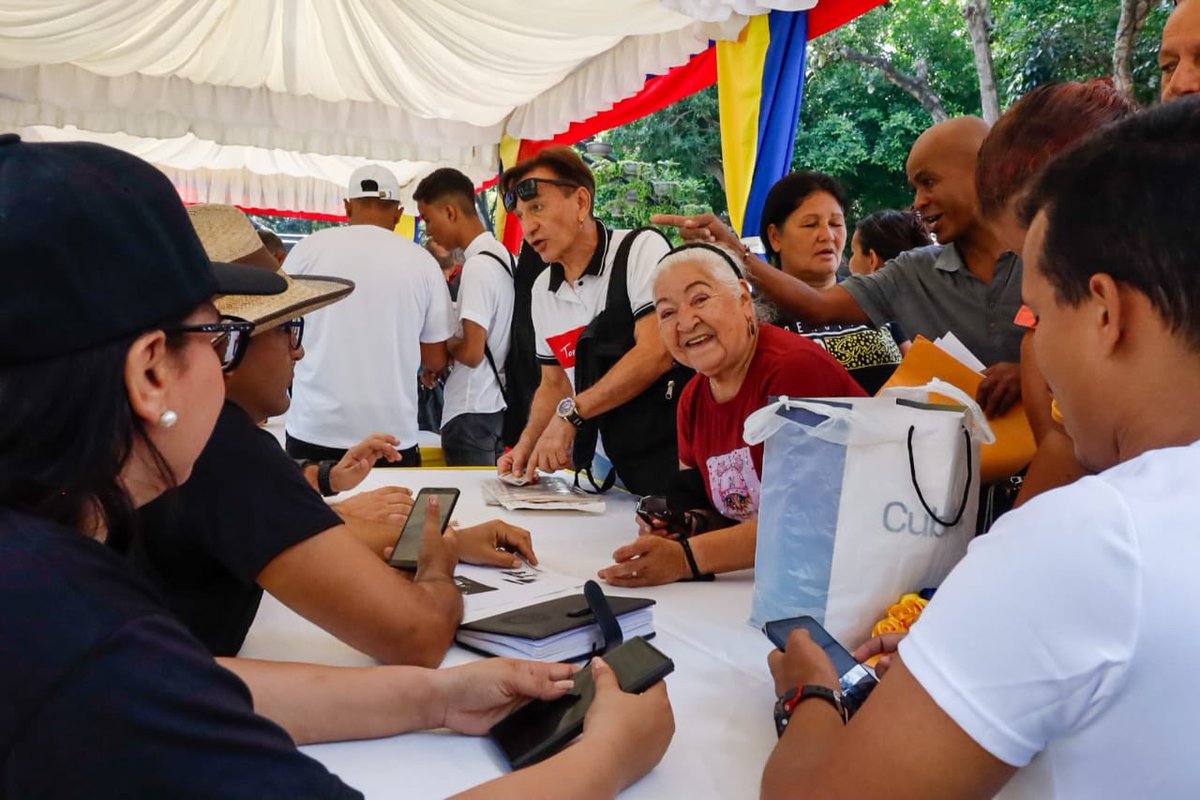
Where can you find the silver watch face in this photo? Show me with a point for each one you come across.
(566, 406)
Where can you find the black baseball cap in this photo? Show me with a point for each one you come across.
(95, 245)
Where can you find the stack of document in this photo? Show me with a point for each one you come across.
(548, 494)
(532, 613)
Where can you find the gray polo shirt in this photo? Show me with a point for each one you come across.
(929, 291)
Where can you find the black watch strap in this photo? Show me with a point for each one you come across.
(323, 485)
(697, 575)
(786, 704)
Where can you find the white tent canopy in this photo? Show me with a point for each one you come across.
(272, 103)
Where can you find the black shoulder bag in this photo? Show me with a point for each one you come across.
(639, 436)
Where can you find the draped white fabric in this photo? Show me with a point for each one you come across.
(426, 81)
(252, 177)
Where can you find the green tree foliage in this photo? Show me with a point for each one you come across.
(629, 192)
(858, 126)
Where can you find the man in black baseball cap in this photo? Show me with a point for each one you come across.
(117, 251)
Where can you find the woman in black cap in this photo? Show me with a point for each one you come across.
(110, 380)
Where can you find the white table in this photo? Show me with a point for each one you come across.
(720, 690)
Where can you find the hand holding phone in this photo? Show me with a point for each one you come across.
(540, 729)
(408, 546)
(660, 515)
(856, 681)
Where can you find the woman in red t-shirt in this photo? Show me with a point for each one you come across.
(706, 317)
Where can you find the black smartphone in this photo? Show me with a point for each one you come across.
(542, 728)
(653, 508)
(857, 680)
(404, 555)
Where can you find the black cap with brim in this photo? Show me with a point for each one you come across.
(96, 246)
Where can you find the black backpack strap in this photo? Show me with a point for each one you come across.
(511, 269)
(618, 284)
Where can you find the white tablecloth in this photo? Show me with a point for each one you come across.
(721, 689)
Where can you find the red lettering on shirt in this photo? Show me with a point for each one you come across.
(563, 346)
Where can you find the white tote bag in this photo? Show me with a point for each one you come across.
(863, 499)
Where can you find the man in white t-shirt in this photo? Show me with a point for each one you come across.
(1057, 659)
(363, 358)
(473, 413)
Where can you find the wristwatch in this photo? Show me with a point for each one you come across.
(566, 410)
(786, 704)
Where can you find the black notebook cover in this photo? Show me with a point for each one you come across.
(551, 617)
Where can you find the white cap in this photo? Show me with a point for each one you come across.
(374, 180)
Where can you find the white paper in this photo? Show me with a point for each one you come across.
(488, 591)
(952, 345)
(548, 494)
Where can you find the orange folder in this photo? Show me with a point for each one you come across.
(1014, 447)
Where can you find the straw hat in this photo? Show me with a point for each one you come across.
(227, 235)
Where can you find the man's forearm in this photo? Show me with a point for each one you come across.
(629, 377)
(799, 300)
(545, 401)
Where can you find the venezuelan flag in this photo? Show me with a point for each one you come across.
(760, 83)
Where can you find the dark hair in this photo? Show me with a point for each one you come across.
(1123, 203)
(890, 233)
(788, 194)
(444, 184)
(563, 161)
(1050, 119)
(66, 433)
(271, 241)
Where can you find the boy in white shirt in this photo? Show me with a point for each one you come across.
(1056, 659)
(473, 414)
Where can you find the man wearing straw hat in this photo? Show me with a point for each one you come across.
(248, 519)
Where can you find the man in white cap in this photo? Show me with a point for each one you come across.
(364, 355)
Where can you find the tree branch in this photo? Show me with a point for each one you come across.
(1133, 19)
(916, 85)
(978, 14)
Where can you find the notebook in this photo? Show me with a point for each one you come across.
(559, 629)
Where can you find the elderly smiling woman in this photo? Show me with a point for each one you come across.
(706, 317)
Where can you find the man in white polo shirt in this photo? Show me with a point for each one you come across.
(363, 358)
(605, 370)
(473, 414)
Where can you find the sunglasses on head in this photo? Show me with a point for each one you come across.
(527, 189)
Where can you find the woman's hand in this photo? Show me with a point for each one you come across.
(495, 544)
(474, 697)
(884, 647)
(802, 663)
(388, 504)
(648, 561)
(359, 460)
(635, 728)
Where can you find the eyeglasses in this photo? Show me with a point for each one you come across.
(528, 189)
(295, 329)
(233, 334)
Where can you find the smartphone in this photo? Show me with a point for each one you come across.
(653, 508)
(404, 555)
(540, 729)
(857, 680)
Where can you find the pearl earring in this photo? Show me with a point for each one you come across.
(168, 418)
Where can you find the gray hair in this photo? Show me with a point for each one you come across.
(718, 265)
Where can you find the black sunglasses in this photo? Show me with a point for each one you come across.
(233, 334)
(295, 329)
(528, 189)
